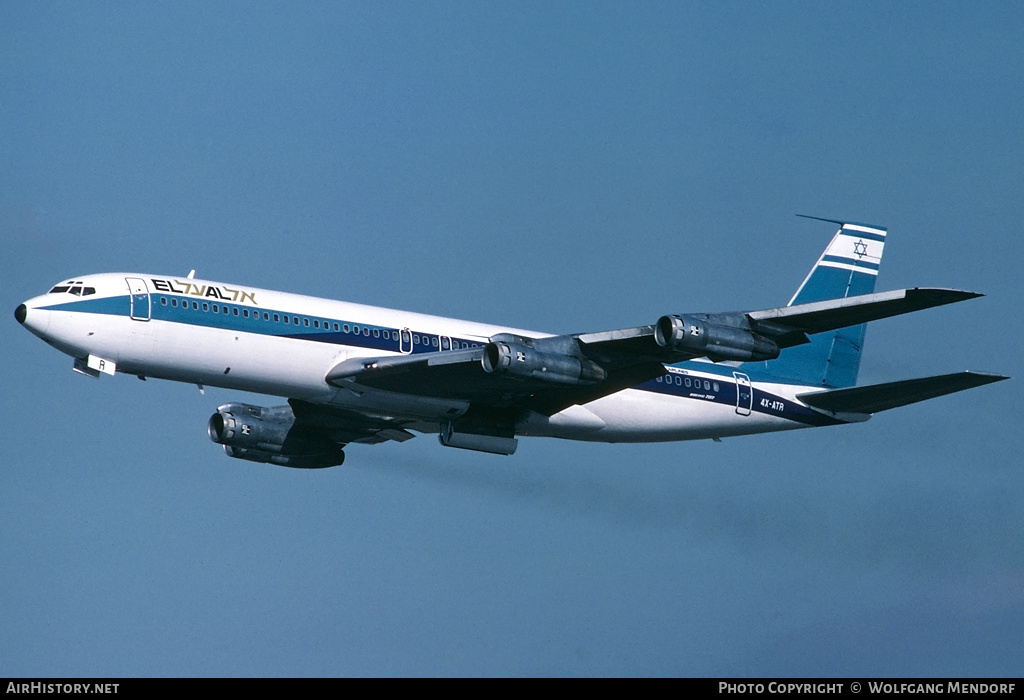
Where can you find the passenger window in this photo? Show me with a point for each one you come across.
(234, 311)
(715, 386)
(174, 302)
(316, 324)
(277, 318)
(195, 305)
(687, 382)
(345, 328)
(336, 327)
(305, 322)
(286, 319)
(216, 309)
(366, 331)
(707, 385)
(206, 307)
(266, 316)
(376, 332)
(163, 301)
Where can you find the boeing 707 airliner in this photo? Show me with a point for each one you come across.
(361, 374)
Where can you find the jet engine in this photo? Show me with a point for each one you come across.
(269, 435)
(525, 362)
(690, 334)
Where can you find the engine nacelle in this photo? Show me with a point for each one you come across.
(312, 461)
(495, 444)
(265, 435)
(523, 361)
(689, 334)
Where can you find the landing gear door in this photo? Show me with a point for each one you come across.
(744, 394)
(140, 309)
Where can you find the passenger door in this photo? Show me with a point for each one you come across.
(140, 301)
(744, 394)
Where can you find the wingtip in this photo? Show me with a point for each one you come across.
(947, 292)
(818, 218)
(987, 377)
(840, 222)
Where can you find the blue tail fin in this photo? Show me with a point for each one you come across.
(848, 267)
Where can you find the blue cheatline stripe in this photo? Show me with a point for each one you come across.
(850, 261)
(765, 402)
(120, 306)
(880, 237)
(108, 306)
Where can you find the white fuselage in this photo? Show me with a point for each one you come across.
(269, 342)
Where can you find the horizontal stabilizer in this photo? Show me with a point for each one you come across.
(882, 397)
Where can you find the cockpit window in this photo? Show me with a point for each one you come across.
(77, 289)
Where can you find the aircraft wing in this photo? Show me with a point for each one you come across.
(852, 311)
(786, 326)
(549, 374)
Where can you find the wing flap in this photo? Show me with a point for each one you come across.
(454, 374)
(361, 367)
(458, 375)
(882, 397)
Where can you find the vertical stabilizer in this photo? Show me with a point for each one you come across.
(848, 267)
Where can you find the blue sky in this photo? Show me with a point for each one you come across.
(570, 168)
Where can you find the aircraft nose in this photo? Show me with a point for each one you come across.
(20, 313)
